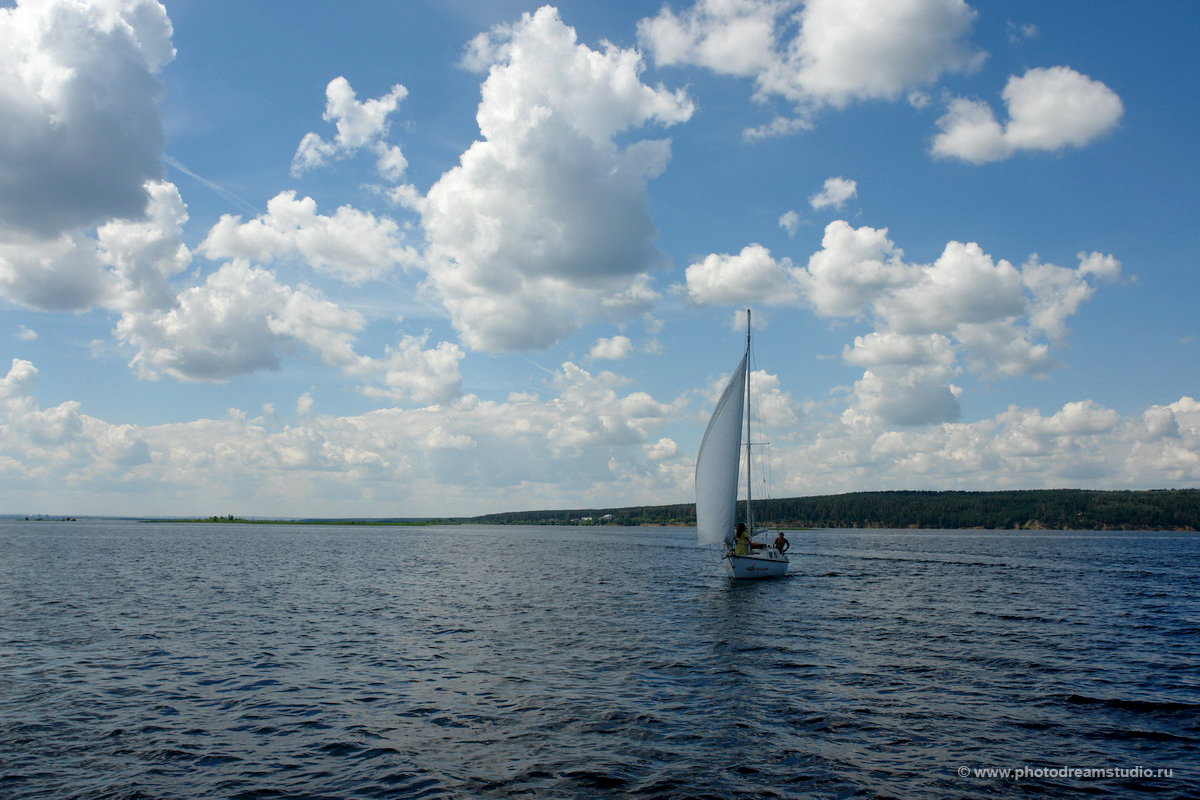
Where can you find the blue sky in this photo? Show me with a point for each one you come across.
(448, 258)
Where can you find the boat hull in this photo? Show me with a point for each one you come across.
(769, 564)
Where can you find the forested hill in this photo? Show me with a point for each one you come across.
(1062, 509)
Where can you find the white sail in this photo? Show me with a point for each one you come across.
(717, 463)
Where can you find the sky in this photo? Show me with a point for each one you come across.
(448, 258)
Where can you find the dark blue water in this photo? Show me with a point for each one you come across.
(175, 661)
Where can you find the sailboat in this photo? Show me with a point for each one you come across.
(717, 481)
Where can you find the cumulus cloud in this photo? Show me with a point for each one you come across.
(964, 286)
(790, 222)
(58, 448)
(63, 273)
(359, 125)
(544, 222)
(965, 311)
(239, 320)
(1003, 349)
(889, 348)
(1018, 33)
(834, 194)
(890, 395)
(662, 449)
(350, 245)
(853, 269)
(127, 265)
(414, 373)
(305, 405)
(864, 49)
(614, 348)
(594, 441)
(821, 52)
(82, 131)
(734, 38)
(1048, 109)
(751, 276)
(593, 412)
(143, 255)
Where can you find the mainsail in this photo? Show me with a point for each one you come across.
(717, 463)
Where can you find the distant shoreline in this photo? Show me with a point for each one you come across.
(1030, 509)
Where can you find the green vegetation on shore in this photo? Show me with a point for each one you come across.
(1049, 509)
(1037, 509)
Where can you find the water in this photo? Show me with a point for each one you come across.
(175, 661)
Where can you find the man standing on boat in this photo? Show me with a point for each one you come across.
(781, 543)
(741, 540)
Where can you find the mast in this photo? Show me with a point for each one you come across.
(749, 484)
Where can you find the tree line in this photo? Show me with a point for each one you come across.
(1036, 509)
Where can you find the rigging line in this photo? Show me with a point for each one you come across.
(764, 477)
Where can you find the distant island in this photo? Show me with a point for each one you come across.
(1037, 509)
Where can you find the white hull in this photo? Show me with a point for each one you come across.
(768, 563)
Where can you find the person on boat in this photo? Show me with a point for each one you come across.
(781, 543)
(741, 540)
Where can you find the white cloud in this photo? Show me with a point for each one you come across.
(58, 448)
(790, 222)
(82, 131)
(1100, 264)
(854, 268)
(751, 276)
(1048, 109)
(305, 405)
(965, 311)
(143, 255)
(1003, 349)
(544, 222)
(966, 305)
(841, 51)
(1058, 291)
(774, 412)
(239, 321)
(964, 286)
(63, 273)
(351, 245)
(734, 37)
(26, 334)
(850, 50)
(1019, 33)
(1073, 419)
(664, 448)
(905, 395)
(970, 132)
(834, 194)
(592, 412)
(1081, 444)
(592, 443)
(127, 264)
(779, 126)
(878, 349)
(614, 348)
(415, 374)
(359, 125)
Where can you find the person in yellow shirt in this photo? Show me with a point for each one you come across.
(741, 540)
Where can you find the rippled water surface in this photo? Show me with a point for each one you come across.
(173, 660)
